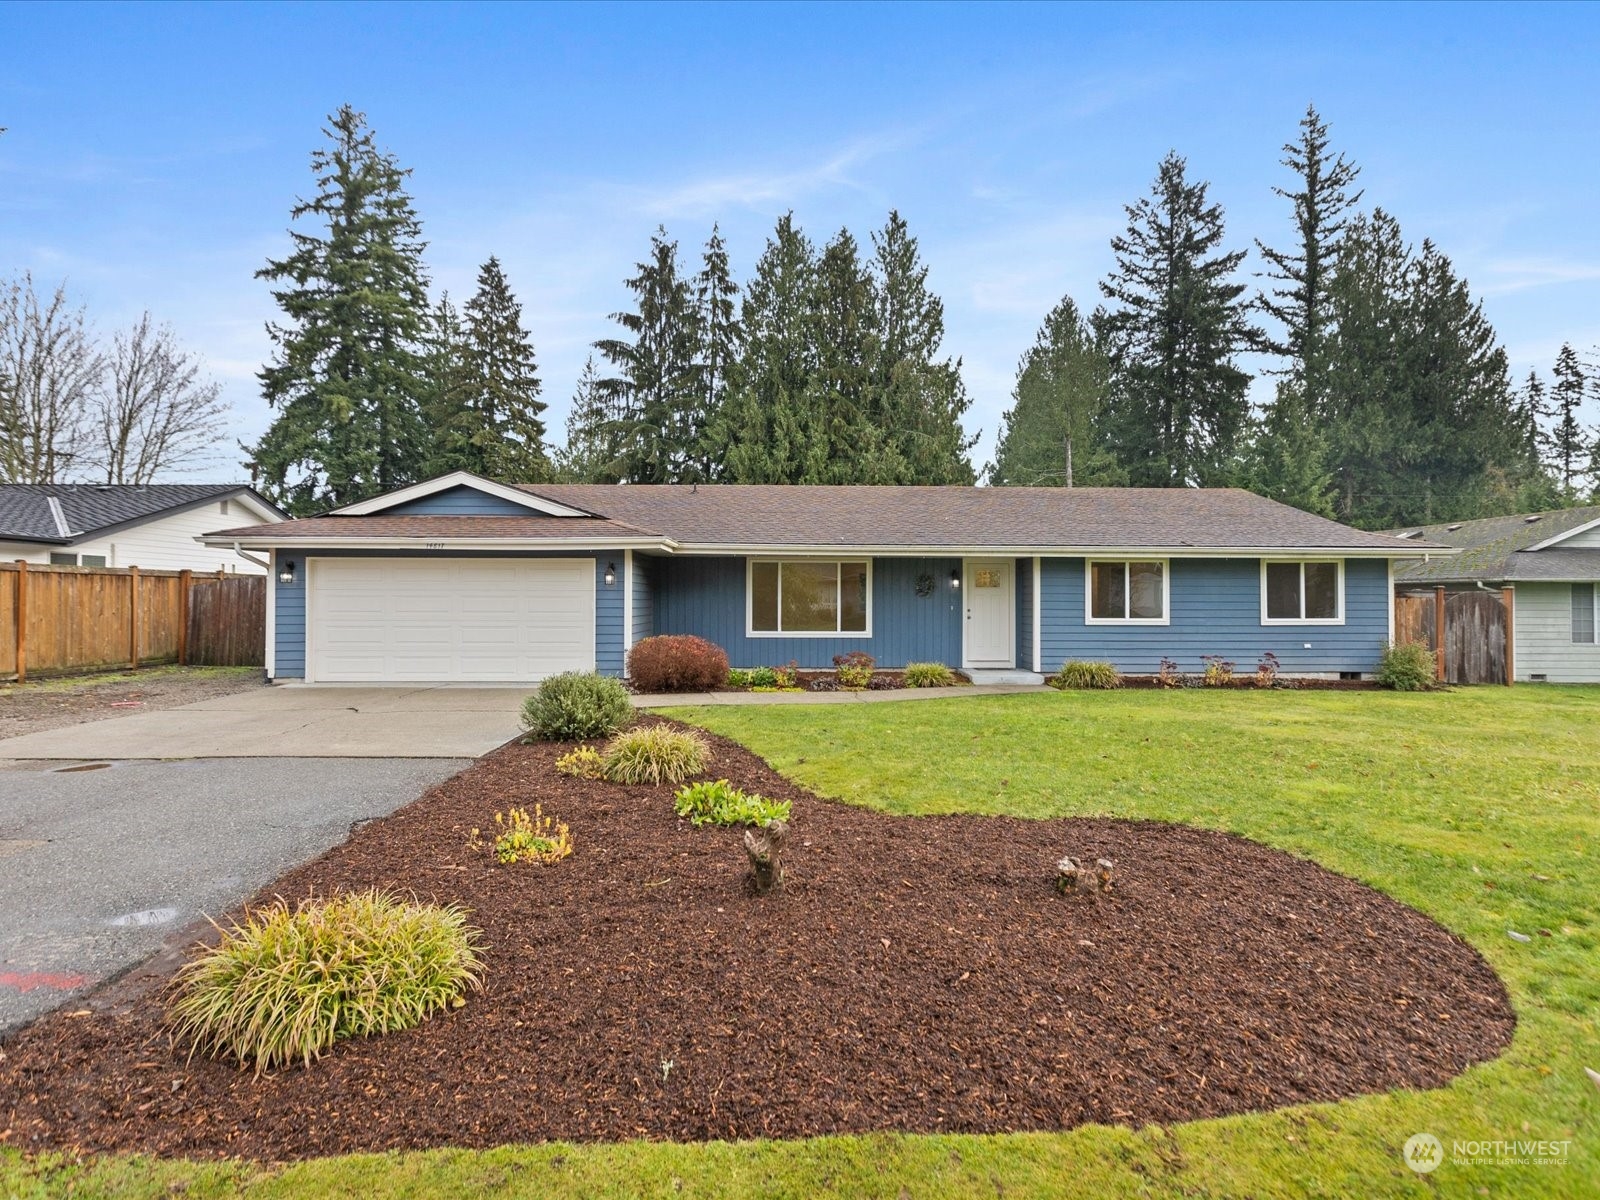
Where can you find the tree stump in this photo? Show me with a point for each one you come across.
(765, 848)
(1071, 876)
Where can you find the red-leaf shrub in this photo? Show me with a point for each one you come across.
(677, 663)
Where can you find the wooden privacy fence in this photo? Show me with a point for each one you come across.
(55, 620)
(1470, 632)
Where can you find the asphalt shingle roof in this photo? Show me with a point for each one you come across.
(758, 515)
(1495, 549)
(434, 528)
(25, 511)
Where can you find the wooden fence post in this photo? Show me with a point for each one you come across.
(1438, 633)
(185, 582)
(22, 620)
(133, 618)
(1508, 597)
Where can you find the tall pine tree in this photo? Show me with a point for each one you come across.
(1178, 407)
(500, 432)
(348, 378)
(1569, 448)
(447, 363)
(721, 342)
(1053, 433)
(850, 444)
(656, 387)
(593, 453)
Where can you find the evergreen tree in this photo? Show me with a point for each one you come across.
(448, 368)
(657, 385)
(504, 415)
(921, 397)
(1178, 407)
(1289, 459)
(593, 453)
(1569, 448)
(347, 381)
(721, 343)
(1529, 487)
(1052, 433)
(765, 431)
(1322, 200)
(850, 444)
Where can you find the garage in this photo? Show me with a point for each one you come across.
(466, 620)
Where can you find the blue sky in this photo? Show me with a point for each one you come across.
(154, 152)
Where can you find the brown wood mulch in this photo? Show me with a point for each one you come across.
(916, 974)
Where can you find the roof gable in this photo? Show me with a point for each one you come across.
(64, 513)
(511, 500)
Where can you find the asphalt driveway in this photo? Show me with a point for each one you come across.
(300, 722)
(99, 866)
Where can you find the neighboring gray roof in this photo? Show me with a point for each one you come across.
(1495, 550)
(26, 512)
(759, 516)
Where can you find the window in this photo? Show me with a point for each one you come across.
(809, 598)
(93, 560)
(222, 507)
(1128, 591)
(1583, 614)
(63, 560)
(1302, 593)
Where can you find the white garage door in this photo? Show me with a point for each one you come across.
(376, 620)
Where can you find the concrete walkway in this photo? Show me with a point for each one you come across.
(692, 699)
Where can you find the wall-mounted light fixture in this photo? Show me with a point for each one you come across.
(611, 574)
(286, 571)
(955, 581)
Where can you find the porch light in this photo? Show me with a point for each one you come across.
(955, 581)
(286, 572)
(611, 574)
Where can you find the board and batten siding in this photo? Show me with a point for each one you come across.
(1542, 618)
(1022, 572)
(644, 598)
(1215, 608)
(289, 626)
(461, 502)
(706, 597)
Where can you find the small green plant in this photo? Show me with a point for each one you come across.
(786, 677)
(1169, 676)
(721, 803)
(1097, 675)
(576, 705)
(1267, 668)
(854, 669)
(928, 674)
(584, 763)
(1219, 671)
(1408, 667)
(740, 677)
(655, 754)
(287, 983)
(523, 838)
(763, 677)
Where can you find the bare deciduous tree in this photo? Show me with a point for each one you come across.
(51, 367)
(156, 413)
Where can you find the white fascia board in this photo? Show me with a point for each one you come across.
(1562, 536)
(781, 549)
(432, 487)
(308, 545)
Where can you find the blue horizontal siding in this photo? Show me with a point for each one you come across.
(1216, 609)
(461, 501)
(706, 597)
(289, 638)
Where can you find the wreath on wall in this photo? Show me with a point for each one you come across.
(925, 584)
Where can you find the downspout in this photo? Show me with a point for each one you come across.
(251, 558)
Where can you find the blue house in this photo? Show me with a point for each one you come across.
(467, 580)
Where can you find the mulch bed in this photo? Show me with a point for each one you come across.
(916, 974)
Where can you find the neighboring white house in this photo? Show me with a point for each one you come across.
(1551, 563)
(154, 526)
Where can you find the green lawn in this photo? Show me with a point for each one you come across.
(1481, 807)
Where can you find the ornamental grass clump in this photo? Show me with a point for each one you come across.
(286, 984)
(928, 674)
(577, 705)
(721, 803)
(655, 754)
(1100, 676)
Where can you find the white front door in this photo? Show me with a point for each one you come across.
(988, 638)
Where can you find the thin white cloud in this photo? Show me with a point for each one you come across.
(1506, 276)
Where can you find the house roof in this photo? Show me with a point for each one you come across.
(64, 513)
(735, 517)
(1504, 549)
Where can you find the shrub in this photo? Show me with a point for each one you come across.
(521, 838)
(740, 677)
(929, 674)
(786, 677)
(1219, 671)
(288, 983)
(854, 670)
(1169, 676)
(677, 663)
(585, 762)
(1075, 674)
(575, 705)
(655, 754)
(721, 803)
(1267, 670)
(1408, 667)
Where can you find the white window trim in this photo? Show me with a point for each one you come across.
(750, 597)
(1594, 614)
(1301, 562)
(1088, 592)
